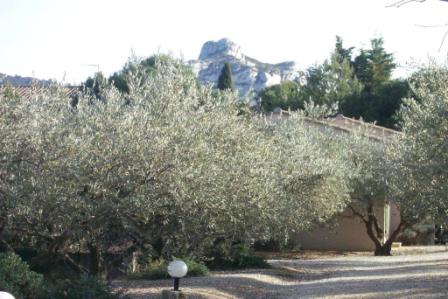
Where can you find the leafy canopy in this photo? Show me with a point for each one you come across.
(170, 166)
(424, 161)
(361, 86)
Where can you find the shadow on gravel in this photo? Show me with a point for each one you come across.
(314, 279)
(338, 268)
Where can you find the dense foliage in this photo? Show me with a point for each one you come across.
(284, 96)
(171, 168)
(18, 279)
(409, 169)
(120, 79)
(168, 167)
(424, 163)
(371, 161)
(360, 85)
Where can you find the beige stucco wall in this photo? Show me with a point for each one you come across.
(419, 234)
(394, 217)
(348, 233)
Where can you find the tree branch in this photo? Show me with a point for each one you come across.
(443, 39)
(356, 213)
(378, 228)
(404, 2)
(374, 221)
(401, 227)
(67, 258)
(371, 234)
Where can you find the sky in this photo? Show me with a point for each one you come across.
(66, 40)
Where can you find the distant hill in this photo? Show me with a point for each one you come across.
(249, 74)
(22, 81)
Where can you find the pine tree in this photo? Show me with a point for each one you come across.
(374, 67)
(381, 63)
(361, 67)
(342, 53)
(225, 79)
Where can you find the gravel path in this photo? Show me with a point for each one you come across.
(422, 275)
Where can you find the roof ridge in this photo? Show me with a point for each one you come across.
(349, 125)
(368, 124)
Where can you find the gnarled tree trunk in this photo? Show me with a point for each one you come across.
(375, 231)
(96, 260)
(386, 248)
(2, 226)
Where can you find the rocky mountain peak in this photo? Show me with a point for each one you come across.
(222, 47)
(250, 76)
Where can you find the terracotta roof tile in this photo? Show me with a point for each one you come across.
(27, 92)
(342, 123)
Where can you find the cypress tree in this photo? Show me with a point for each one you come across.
(225, 79)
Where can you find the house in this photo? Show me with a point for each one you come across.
(348, 232)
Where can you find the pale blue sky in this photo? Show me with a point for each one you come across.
(48, 38)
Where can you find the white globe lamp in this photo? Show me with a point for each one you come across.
(4, 295)
(176, 269)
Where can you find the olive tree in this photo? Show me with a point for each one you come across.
(408, 169)
(14, 152)
(372, 163)
(168, 166)
(424, 162)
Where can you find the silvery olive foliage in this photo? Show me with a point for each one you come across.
(171, 165)
(380, 175)
(424, 160)
(313, 174)
(368, 161)
(371, 161)
(408, 169)
(13, 151)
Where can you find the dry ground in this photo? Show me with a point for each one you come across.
(416, 272)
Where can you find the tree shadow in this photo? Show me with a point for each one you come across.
(314, 279)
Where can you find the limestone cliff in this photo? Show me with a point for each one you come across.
(249, 75)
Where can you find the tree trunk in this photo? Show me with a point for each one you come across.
(375, 233)
(2, 227)
(95, 261)
(386, 248)
(379, 248)
(383, 250)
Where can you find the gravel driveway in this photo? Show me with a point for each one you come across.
(406, 275)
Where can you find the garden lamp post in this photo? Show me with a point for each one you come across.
(177, 270)
(4, 295)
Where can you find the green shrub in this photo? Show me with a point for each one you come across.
(155, 270)
(158, 270)
(269, 245)
(17, 278)
(275, 245)
(86, 288)
(237, 257)
(196, 268)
